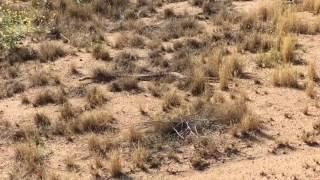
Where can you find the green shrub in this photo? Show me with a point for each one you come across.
(14, 26)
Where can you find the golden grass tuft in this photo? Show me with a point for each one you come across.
(102, 74)
(171, 100)
(287, 48)
(100, 52)
(68, 112)
(96, 97)
(125, 84)
(232, 67)
(269, 60)
(312, 6)
(310, 89)
(50, 97)
(249, 122)
(94, 121)
(285, 76)
(140, 156)
(70, 163)
(312, 71)
(198, 83)
(99, 146)
(51, 51)
(214, 62)
(43, 79)
(134, 135)
(29, 155)
(41, 120)
(115, 164)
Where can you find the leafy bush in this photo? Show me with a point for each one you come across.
(14, 26)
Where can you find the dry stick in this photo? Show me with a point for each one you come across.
(178, 133)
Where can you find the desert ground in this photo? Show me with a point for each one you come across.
(159, 89)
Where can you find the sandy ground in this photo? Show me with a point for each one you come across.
(258, 159)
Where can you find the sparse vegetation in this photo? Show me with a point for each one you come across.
(49, 97)
(287, 49)
(285, 76)
(153, 88)
(41, 120)
(30, 156)
(100, 52)
(125, 84)
(115, 164)
(51, 51)
(94, 121)
(96, 97)
(140, 156)
(171, 100)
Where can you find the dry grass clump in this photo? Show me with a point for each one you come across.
(100, 52)
(25, 100)
(51, 51)
(10, 88)
(102, 74)
(60, 128)
(134, 135)
(96, 97)
(68, 112)
(310, 89)
(125, 84)
(30, 156)
(140, 156)
(168, 13)
(26, 134)
(249, 22)
(249, 122)
(100, 146)
(198, 83)
(50, 97)
(269, 60)
(229, 112)
(205, 115)
(268, 11)
(256, 43)
(198, 162)
(79, 11)
(171, 100)
(214, 61)
(115, 164)
(287, 48)
(289, 22)
(70, 163)
(136, 41)
(94, 121)
(43, 79)
(121, 41)
(125, 62)
(177, 27)
(224, 77)
(21, 54)
(156, 90)
(311, 5)
(312, 71)
(232, 67)
(285, 76)
(235, 66)
(41, 120)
